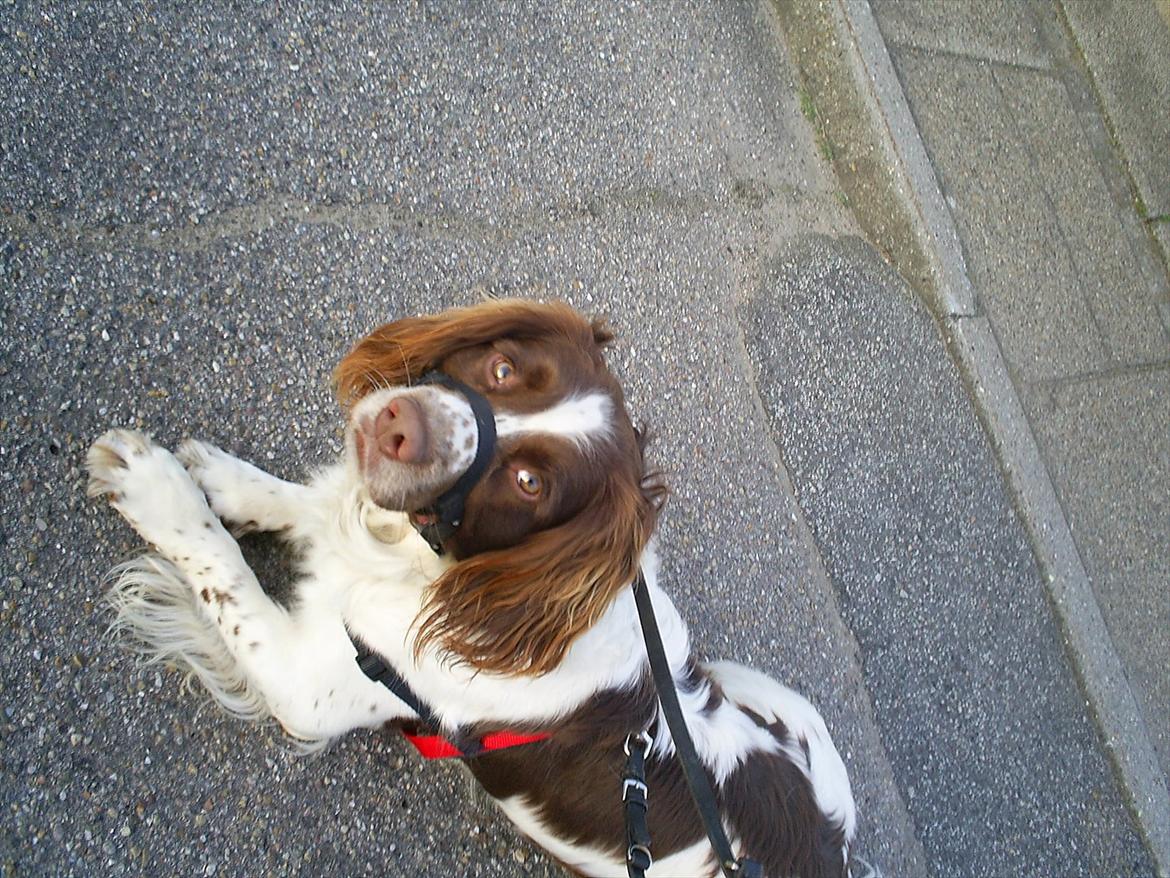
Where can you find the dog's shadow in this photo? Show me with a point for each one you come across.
(275, 563)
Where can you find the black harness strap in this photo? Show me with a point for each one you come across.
(447, 510)
(374, 667)
(693, 770)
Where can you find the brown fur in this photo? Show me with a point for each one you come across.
(518, 610)
(796, 839)
(401, 352)
(574, 778)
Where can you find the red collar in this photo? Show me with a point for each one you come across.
(438, 747)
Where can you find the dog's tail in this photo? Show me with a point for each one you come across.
(156, 611)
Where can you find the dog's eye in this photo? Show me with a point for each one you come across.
(528, 481)
(503, 370)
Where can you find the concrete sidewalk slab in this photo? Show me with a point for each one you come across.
(990, 30)
(1003, 215)
(1126, 45)
(1108, 261)
(936, 576)
(1107, 445)
(1022, 204)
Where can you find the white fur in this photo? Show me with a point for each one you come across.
(724, 738)
(454, 440)
(301, 660)
(154, 606)
(773, 701)
(578, 419)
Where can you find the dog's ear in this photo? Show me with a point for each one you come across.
(518, 610)
(399, 353)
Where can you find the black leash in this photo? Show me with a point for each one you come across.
(696, 775)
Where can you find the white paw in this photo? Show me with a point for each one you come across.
(145, 483)
(222, 478)
(109, 459)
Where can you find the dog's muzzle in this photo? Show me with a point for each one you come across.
(439, 521)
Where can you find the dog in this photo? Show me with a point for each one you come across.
(509, 624)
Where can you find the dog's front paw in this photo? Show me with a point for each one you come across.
(109, 460)
(144, 483)
(222, 478)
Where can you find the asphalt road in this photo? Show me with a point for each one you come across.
(200, 209)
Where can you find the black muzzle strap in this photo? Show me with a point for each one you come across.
(446, 513)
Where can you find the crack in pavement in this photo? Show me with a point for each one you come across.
(233, 222)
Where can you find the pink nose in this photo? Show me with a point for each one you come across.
(401, 432)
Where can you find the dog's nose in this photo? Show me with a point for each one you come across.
(401, 432)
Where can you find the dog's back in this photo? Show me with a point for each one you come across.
(814, 817)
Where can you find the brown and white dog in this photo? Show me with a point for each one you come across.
(525, 623)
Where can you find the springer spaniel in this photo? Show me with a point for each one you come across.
(522, 626)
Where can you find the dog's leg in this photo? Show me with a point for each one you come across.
(299, 668)
(242, 495)
(152, 491)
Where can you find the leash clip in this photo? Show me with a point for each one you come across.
(745, 867)
(638, 856)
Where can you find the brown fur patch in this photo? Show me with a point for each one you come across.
(398, 353)
(771, 808)
(574, 779)
(518, 610)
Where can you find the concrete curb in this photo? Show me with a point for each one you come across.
(1102, 676)
(974, 344)
(931, 216)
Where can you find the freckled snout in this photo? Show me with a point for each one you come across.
(411, 444)
(400, 432)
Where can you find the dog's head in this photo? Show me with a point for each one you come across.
(557, 523)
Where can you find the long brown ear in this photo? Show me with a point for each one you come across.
(519, 610)
(399, 353)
